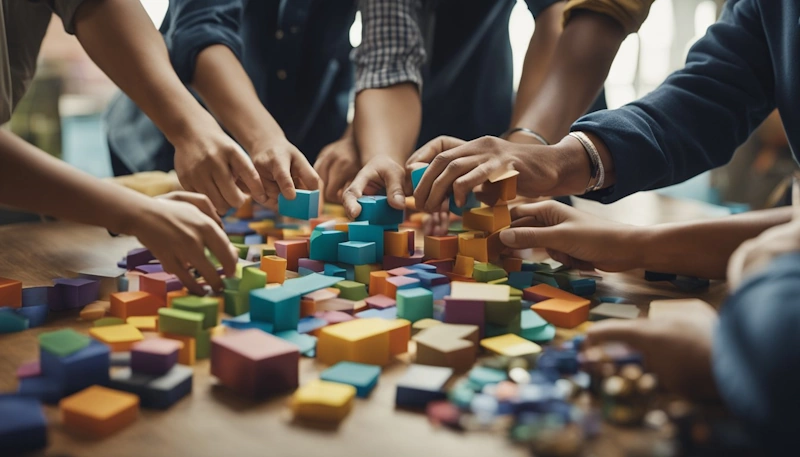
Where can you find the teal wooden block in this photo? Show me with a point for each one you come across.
(359, 375)
(416, 176)
(414, 304)
(583, 286)
(180, 322)
(307, 284)
(531, 324)
(352, 290)
(362, 231)
(485, 272)
(335, 270)
(472, 202)
(207, 306)
(306, 344)
(542, 335)
(279, 306)
(11, 322)
(483, 376)
(304, 206)
(376, 210)
(357, 252)
(324, 245)
(520, 279)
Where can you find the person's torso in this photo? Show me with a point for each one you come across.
(784, 47)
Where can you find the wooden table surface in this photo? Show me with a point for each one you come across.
(215, 422)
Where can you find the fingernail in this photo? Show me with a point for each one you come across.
(508, 237)
(399, 200)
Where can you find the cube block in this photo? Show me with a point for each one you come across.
(359, 375)
(138, 303)
(155, 391)
(207, 306)
(422, 384)
(414, 304)
(357, 252)
(11, 293)
(359, 231)
(155, 356)
(292, 251)
(304, 206)
(324, 245)
(275, 268)
(323, 401)
(159, 284)
(99, 411)
(376, 211)
(23, 427)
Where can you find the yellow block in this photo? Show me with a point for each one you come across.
(479, 291)
(464, 266)
(95, 310)
(360, 340)
(188, 353)
(119, 338)
(510, 345)
(144, 323)
(323, 401)
(99, 411)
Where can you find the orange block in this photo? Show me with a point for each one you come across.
(176, 294)
(458, 277)
(541, 292)
(99, 411)
(188, 353)
(441, 247)
(395, 244)
(342, 227)
(95, 310)
(307, 307)
(291, 250)
(473, 244)
(488, 219)
(512, 264)
(563, 313)
(503, 185)
(138, 303)
(246, 210)
(377, 282)
(10, 293)
(399, 336)
(275, 267)
(494, 247)
(464, 266)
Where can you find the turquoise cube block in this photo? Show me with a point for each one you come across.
(520, 279)
(416, 176)
(362, 231)
(472, 202)
(414, 304)
(357, 252)
(280, 306)
(335, 270)
(306, 344)
(304, 206)
(11, 322)
(583, 287)
(324, 245)
(376, 210)
(359, 375)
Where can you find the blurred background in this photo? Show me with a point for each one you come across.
(62, 112)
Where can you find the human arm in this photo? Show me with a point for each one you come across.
(578, 239)
(175, 232)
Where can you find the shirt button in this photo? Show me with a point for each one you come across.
(279, 34)
(282, 74)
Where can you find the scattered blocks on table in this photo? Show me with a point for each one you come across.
(73, 293)
(159, 284)
(448, 345)
(63, 342)
(352, 290)
(441, 247)
(187, 355)
(324, 245)
(144, 323)
(155, 356)
(138, 303)
(99, 411)
(323, 401)
(613, 311)
(155, 391)
(488, 219)
(562, 312)
(478, 291)
(207, 306)
(376, 211)
(304, 206)
(396, 283)
(357, 252)
(11, 293)
(23, 427)
(73, 365)
(422, 384)
(275, 268)
(359, 375)
(254, 363)
(292, 251)
(120, 338)
(510, 345)
(414, 304)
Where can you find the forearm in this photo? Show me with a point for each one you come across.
(703, 248)
(226, 89)
(575, 75)
(387, 122)
(34, 181)
(120, 38)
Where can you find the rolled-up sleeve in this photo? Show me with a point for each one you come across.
(629, 13)
(537, 6)
(66, 9)
(197, 24)
(392, 50)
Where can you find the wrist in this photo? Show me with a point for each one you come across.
(654, 248)
(573, 166)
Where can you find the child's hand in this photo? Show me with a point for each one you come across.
(282, 169)
(177, 233)
(756, 253)
(338, 164)
(379, 173)
(676, 346)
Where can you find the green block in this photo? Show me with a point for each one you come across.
(242, 248)
(107, 321)
(352, 290)
(498, 281)
(63, 342)
(414, 304)
(207, 306)
(236, 239)
(268, 251)
(11, 322)
(252, 278)
(233, 304)
(203, 344)
(485, 272)
(503, 313)
(362, 272)
(515, 292)
(231, 283)
(171, 320)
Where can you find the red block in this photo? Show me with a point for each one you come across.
(292, 251)
(158, 284)
(10, 293)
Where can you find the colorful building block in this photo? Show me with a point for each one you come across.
(172, 295)
(488, 219)
(120, 338)
(143, 323)
(359, 375)
(395, 283)
(396, 244)
(448, 345)
(159, 284)
(377, 282)
(279, 306)
(324, 245)
(503, 312)
(352, 290)
(357, 252)
(562, 312)
(416, 176)
(99, 411)
(486, 272)
(292, 251)
(155, 356)
(422, 384)
(180, 322)
(304, 206)
(305, 343)
(95, 310)
(154, 391)
(138, 257)
(479, 291)
(73, 293)
(323, 401)
(207, 306)
(11, 322)
(380, 301)
(23, 427)
(541, 292)
(473, 245)
(63, 342)
(464, 266)
(510, 345)
(313, 265)
(45, 389)
(461, 311)
(441, 247)
(73, 365)
(362, 231)
(361, 273)
(254, 363)
(503, 185)
(11, 293)
(34, 296)
(334, 317)
(138, 303)
(372, 341)
(187, 355)
(275, 268)
(376, 210)
(414, 304)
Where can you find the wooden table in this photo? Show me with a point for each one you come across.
(215, 422)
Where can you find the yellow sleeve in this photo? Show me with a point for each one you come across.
(629, 13)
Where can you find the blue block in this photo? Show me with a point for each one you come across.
(324, 245)
(74, 293)
(304, 206)
(613, 300)
(335, 270)
(44, 389)
(362, 231)
(416, 176)
(422, 384)
(253, 238)
(310, 323)
(79, 370)
(440, 291)
(23, 427)
(278, 306)
(423, 267)
(472, 202)
(359, 375)
(243, 321)
(36, 315)
(305, 343)
(237, 227)
(357, 252)
(11, 322)
(349, 271)
(520, 279)
(34, 296)
(583, 287)
(376, 210)
(430, 279)
(389, 313)
(155, 392)
(302, 271)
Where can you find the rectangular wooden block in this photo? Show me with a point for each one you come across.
(10, 293)
(99, 411)
(279, 306)
(360, 340)
(362, 231)
(479, 291)
(324, 245)
(71, 293)
(155, 391)
(422, 384)
(441, 247)
(323, 401)
(23, 428)
(376, 210)
(138, 303)
(474, 247)
(143, 323)
(414, 304)
(357, 252)
(468, 312)
(159, 284)
(613, 311)
(377, 282)
(396, 244)
(502, 185)
(488, 219)
(207, 306)
(359, 375)
(510, 345)
(179, 321)
(188, 352)
(395, 283)
(275, 268)
(448, 345)
(155, 356)
(120, 338)
(75, 370)
(292, 251)
(304, 206)
(563, 313)
(541, 292)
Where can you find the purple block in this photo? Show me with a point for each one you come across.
(470, 312)
(73, 293)
(35, 296)
(29, 370)
(391, 262)
(122, 264)
(313, 265)
(150, 268)
(36, 315)
(138, 257)
(155, 356)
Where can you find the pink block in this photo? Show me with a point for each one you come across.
(337, 304)
(333, 317)
(255, 363)
(313, 265)
(470, 312)
(403, 281)
(380, 302)
(402, 271)
(159, 284)
(322, 294)
(29, 370)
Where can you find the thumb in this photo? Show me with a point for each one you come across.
(532, 237)
(393, 179)
(632, 332)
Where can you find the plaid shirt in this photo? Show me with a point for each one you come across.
(392, 50)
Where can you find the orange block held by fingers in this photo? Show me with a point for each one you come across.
(488, 219)
(99, 411)
(563, 313)
(395, 244)
(503, 185)
(441, 247)
(275, 267)
(139, 303)
(10, 293)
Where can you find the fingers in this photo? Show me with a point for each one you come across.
(212, 192)
(353, 192)
(335, 184)
(175, 267)
(220, 246)
(633, 332)
(463, 185)
(393, 177)
(433, 148)
(234, 198)
(534, 237)
(444, 169)
(201, 202)
(281, 172)
(544, 213)
(244, 170)
(206, 269)
(303, 170)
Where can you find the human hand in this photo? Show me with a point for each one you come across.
(338, 164)
(574, 238)
(756, 253)
(177, 233)
(379, 173)
(676, 346)
(457, 167)
(283, 168)
(202, 202)
(208, 161)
